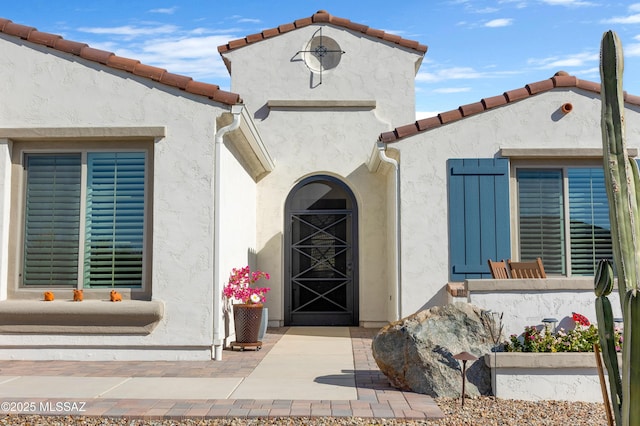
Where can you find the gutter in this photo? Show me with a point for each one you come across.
(381, 147)
(218, 333)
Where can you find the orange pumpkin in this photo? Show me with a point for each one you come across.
(48, 296)
(78, 296)
(115, 296)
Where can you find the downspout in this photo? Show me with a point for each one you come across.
(396, 224)
(218, 334)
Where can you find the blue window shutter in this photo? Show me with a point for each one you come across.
(479, 224)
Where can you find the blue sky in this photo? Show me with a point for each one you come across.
(477, 48)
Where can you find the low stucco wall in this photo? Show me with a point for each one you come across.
(526, 302)
(545, 376)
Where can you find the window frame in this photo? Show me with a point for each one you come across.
(551, 164)
(20, 151)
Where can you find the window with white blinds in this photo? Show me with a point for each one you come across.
(590, 231)
(541, 218)
(52, 220)
(114, 220)
(102, 247)
(560, 211)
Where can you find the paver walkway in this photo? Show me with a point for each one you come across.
(298, 373)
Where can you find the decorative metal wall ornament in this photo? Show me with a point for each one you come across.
(322, 53)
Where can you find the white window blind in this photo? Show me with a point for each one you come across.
(110, 252)
(114, 220)
(540, 201)
(589, 215)
(52, 220)
(544, 229)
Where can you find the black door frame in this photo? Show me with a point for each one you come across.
(288, 216)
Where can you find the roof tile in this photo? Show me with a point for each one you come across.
(266, 34)
(148, 71)
(588, 85)
(299, 23)
(449, 116)
(540, 86)
(494, 101)
(111, 60)
(17, 30)
(428, 123)
(632, 99)
(250, 39)
(388, 137)
(407, 130)
(96, 55)
(560, 79)
(563, 80)
(45, 39)
(69, 46)
(177, 80)
(122, 63)
(285, 28)
(323, 17)
(234, 44)
(471, 109)
(517, 94)
(372, 32)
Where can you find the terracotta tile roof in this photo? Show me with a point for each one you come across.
(321, 17)
(560, 79)
(111, 60)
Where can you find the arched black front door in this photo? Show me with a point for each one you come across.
(321, 285)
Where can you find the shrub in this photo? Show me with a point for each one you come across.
(541, 339)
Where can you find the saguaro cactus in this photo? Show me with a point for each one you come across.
(604, 313)
(622, 183)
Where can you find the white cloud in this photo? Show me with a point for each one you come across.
(426, 114)
(632, 50)
(574, 60)
(634, 7)
(165, 11)
(130, 31)
(569, 3)
(448, 74)
(458, 73)
(495, 23)
(192, 52)
(519, 4)
(631, 19)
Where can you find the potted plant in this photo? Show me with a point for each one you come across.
(247, 314)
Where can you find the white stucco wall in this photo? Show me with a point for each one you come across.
(42, 88)
(534, 122)
(238, 217)
(528, 302)
(335, 141)
(370, 69)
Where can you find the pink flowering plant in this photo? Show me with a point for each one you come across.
(541, 339)
(240, 286)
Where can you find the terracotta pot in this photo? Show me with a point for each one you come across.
(247, 319)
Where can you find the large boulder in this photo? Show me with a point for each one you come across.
(417, 353)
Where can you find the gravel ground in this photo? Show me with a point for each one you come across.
(482, 411)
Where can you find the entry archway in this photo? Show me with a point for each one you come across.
(321, 254)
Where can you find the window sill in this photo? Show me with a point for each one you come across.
(529, 285)
(130, 317)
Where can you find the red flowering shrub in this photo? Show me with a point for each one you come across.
(239, 286)
(580, 319)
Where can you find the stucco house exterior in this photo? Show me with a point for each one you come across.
(312, 168)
